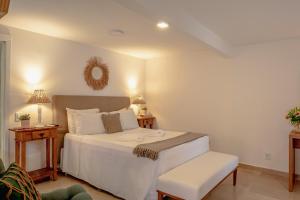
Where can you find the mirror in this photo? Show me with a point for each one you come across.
(97, 73)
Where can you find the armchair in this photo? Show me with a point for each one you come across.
(75, 192)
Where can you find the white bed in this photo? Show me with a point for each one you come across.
(107, 162)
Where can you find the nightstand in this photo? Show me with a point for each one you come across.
(23, 135)
(294, 143)
(146, 121)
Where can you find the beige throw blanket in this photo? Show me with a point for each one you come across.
(151, 150)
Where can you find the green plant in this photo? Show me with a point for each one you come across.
(294, 116)
(24, 117)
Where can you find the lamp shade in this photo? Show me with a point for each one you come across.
(139, 101)
(39, 96)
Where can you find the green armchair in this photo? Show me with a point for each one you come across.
(75, 192)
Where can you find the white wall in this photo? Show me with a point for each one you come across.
(240, 102)
(60, 65)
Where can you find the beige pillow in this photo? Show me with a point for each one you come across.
(112, 123)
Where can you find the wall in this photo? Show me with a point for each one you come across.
(240, 101)
(57, 65)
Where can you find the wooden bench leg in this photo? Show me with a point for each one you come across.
(234, 176)
(160, 195)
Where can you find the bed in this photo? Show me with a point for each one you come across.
(106, 160)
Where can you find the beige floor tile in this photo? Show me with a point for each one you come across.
(252, 185)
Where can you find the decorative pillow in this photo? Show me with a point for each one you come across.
(88, 123)
(72, 112)
(112, 123)
(16, 184)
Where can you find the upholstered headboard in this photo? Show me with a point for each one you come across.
(61, 102)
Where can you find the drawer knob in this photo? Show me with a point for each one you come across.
(41, 134)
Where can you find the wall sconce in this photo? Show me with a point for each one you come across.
(132, 86)
(33, 75)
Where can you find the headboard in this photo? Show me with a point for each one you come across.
(61, 102)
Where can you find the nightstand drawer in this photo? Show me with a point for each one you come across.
(40, 134)
(25, 136)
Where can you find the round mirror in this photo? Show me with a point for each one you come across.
(97, 73)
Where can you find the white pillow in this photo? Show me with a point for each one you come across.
(72, 112)
(128, 119)
(88, 123)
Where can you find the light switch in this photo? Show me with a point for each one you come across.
(17, 115)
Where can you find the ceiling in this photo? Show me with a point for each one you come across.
(243, 22)
(195, 25)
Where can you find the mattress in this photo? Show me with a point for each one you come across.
(107, 162)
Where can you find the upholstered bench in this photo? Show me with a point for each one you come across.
(196, 178)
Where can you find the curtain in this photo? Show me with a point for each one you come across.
(3, 132)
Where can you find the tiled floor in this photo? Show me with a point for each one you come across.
(252, 185)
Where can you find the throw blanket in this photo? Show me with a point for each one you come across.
(151, 150)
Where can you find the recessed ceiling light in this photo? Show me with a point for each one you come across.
(117, 32)
(162, 25)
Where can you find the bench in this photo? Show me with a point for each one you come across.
(195, 179)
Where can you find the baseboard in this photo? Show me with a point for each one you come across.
(267, 171)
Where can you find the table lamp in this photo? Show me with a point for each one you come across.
(39, 97)
(139, 102)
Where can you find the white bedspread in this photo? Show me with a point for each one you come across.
(107, 162)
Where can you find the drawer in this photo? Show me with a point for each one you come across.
(40, 134)
(23, 136)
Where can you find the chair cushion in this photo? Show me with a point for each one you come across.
(82, 196)
(194, 179)
(16, 184)
(74, 192)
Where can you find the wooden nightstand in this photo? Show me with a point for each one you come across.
(294, 143)
(146, 121)
(23, 135)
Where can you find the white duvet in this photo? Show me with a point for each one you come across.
(107, 162)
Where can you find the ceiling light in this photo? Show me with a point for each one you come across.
(162, 25)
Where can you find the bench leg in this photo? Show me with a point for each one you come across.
(160, 195)
(234, 177)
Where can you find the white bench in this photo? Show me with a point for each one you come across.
(195, 179)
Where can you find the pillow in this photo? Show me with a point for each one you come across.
(128, 119)
(88, 123)
(112, 123)
(72, 112)
(16, 184)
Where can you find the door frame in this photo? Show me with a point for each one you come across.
(5, 139)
